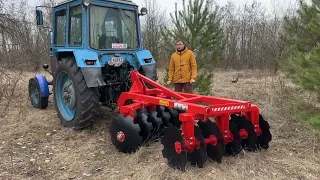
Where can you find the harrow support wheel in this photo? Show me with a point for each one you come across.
(214, 151)
(125, 134)
(173, 148)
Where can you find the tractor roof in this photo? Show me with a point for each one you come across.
(117, 1)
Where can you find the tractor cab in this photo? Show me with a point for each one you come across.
(99, 33)
(94, 45)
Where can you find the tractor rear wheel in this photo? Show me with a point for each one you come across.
(77, 105)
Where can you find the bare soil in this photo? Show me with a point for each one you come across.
(34, 145)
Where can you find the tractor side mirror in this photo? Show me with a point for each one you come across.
(39, 16)
(143, 11)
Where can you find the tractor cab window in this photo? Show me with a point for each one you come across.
(112, 28)
(75, 34)
(60, 28)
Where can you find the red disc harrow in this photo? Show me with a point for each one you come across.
(192, 127)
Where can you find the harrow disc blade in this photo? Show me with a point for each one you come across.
(156, 123)
(243, 123)
(198, 156)
(234, 147)
(145, 126)
(265, 137)
(215, 152)
(160, 110)
(174, 114)
(165, 116)
(125, 134)
(173, 148)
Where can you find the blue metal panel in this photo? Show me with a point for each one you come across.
(83, 54)
(43, 83)
(126, 57)
(144, 54)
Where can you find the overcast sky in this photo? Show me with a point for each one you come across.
(169, 5)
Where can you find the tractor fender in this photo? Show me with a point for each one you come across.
(149, 68)
(92, 73)
(43, 84)
(93, 76)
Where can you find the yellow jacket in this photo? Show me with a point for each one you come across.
(182, 67)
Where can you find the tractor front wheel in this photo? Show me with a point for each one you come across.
(35, 97)
(76, 104)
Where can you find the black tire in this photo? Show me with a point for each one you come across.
(36, 100)
(86, 99)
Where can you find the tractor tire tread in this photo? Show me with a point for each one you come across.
(44, 102)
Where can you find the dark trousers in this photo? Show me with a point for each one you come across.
(187, 87)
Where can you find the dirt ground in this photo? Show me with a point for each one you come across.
(33, 144)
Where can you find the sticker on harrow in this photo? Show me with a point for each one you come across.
(181, 106)
(164, 103)
(228, 108)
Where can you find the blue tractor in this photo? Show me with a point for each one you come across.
(94, 46)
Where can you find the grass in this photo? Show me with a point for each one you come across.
(34, 145)
(310, 115)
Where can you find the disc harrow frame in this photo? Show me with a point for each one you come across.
(190, 111)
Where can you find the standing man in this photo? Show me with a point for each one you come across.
(182, 68)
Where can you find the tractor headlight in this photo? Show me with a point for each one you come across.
(86, 2)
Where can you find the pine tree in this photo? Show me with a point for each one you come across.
(303, 35)
(303, 66)
(199, 27)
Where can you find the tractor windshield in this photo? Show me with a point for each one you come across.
(113, 28)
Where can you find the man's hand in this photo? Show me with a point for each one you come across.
(168, 82)
(192, 81)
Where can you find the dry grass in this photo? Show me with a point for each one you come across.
(33, 145)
